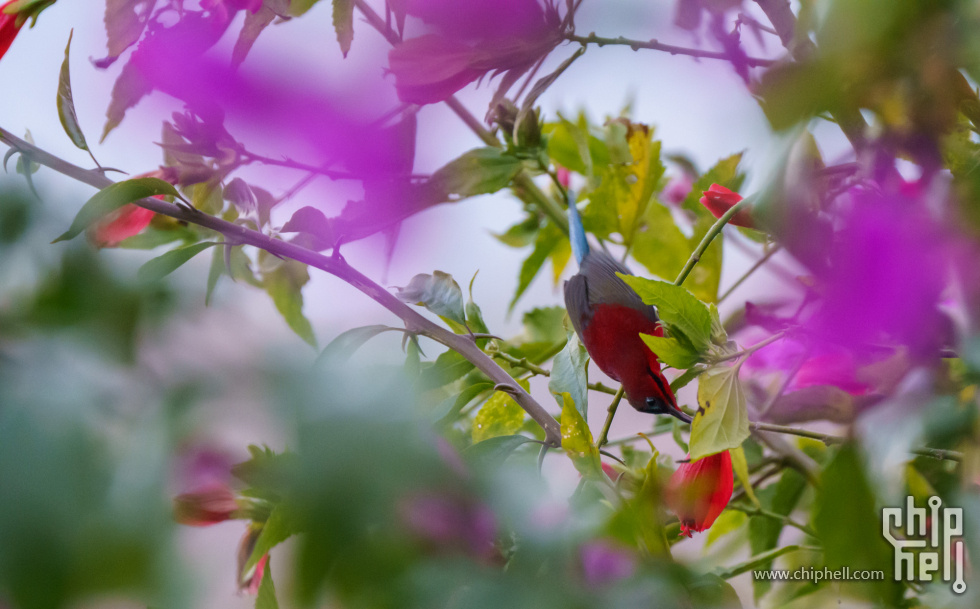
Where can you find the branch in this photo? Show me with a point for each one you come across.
(603, 437)
(709, 237)
(525, 187)
(659, 46)
(335, 265)
(751, 510)
(521, 362)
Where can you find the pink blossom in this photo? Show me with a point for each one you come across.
(604, 563)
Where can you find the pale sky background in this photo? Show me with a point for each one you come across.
(701, 109)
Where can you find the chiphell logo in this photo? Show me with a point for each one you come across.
(931, 541)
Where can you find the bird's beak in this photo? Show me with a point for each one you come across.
(657, 406)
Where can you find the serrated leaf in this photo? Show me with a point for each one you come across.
(569, 374)
(491, 453)
(722, 421)
(130, 87)
(741, 469)
(344, 346)
(438, 293)
(677, 307)
(343, 23)
(521, 234)
(112, 198)
(266, 598)
(277, 529)
(626, 188)
(576, 439)
(284, 284)
(161, 266)
(298, 7)
(66, 104)
(254, 24)
(479, 171)
(671, 351)
(125, 21)
(499, 416)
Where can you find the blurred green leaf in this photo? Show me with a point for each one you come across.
(346, 343)
(728, 522)
(113, 197)
(722, 421)
(284, 284)
(266, 598)
(298, 7)
(547, 240)
(491, 453)
(740, 467)
(448, 367)
(161, 266)
(438, 293)
(780, 498)
(661, 247)
(521, 234)
(255, 24)
(278, 528)
(124, 24)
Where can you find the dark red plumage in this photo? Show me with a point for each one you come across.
(609, 318)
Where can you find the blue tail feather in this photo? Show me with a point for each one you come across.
(576, 232)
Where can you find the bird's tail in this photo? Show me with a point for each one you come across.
(576, 232)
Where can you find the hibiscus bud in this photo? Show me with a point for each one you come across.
(699, 490)
(249, 579)
(210, 505)
(719, 200)
(8, 28)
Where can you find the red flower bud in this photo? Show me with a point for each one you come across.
(249, 580)
(128, 220)
(719, 199)
(698, 491)
(8, 28)
(210, 505)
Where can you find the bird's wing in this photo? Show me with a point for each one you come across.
(577, 302)
(605, 287)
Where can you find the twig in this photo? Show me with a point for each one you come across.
(334, 265)
(521, 362)
(709, 237)
(751, 510)
(659, 46)
(609, 417)
(758, 264)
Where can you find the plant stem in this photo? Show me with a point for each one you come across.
(713, 232)
(751, 510)
(755, 267)
(609, 417)
(659, 46)
(335, 265)
(521, 362)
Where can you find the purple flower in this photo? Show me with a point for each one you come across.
(445, 522)
(604, 563)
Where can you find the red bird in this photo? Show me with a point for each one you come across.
(609, 318)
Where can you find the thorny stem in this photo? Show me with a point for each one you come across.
(659, 46)
(335, 265)
(709, 237)
(609, 417)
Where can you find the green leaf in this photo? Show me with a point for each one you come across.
(266, 598)
(255, 24)
(848, 522)
(130, 87)
(479, 171)
(112, 198)
(728, 522)
(346, 343)
(214, 273)
(298, 7)
(499, 416)
(677, 307)
(576, 439)
(491, 453)
(66, 105)
(764, 532)
(571, 146)
(661, 247)
(547, 240)
(124, 24)
(741, 469)
(754, 563)
(161, 266)
(277, 529)
(438, 293)
(569, 374)
(343, 23)
(721, 422)
(671, 351)
(284, 284)
(152, 238)
(448, 367)
(521, 234)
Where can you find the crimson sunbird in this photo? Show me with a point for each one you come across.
(609, 317)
